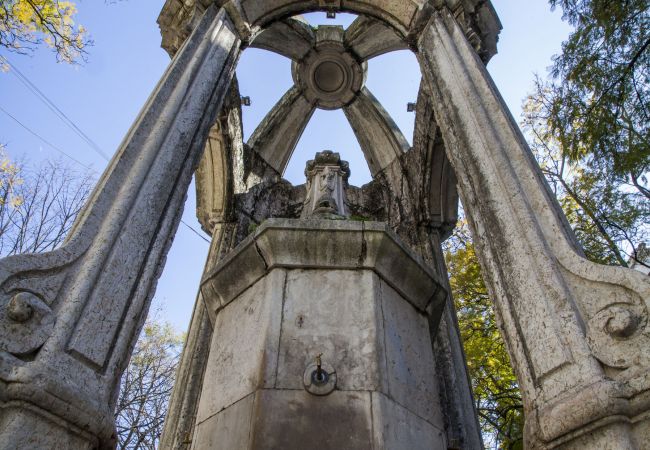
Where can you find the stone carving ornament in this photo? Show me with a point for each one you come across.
(327, 177)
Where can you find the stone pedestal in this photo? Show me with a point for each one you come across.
(348, 292)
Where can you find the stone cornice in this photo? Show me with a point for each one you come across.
(323, 244)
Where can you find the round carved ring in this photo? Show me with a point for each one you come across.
(26, 322)
(617, 334)
(329, 76)
(319, 380)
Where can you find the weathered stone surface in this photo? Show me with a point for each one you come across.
(217, 177)
(276, 137)
(246, 267)
(329, 76)
(395, 427)
(324, 314)
(454, 385)
(228, 429)
(401, 268)
(327, 177)
(337, 312)
(183, 404)
(292, 37)
(296, 420)
(407, 18)
(369, 37)
(99, 284)
(578, 333)
(23, 427)
(409, 357)
(101, 280)
(323, 244)
(244, 350)
(380, 139)
(577, 373)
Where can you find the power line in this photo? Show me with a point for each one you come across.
(45, 140)
(56, 110)
(63, 117)
(77, 161)
(195, 232)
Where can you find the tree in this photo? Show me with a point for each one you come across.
(496, 392)
(146, 387)
(607, 211)
(38, 208)
(597, 102)
(27, 24)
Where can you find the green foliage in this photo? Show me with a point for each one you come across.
(496, 392)
(598, 105)
(607, 211)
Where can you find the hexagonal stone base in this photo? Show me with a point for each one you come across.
(360, 299)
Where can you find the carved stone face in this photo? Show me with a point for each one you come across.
(326, 180)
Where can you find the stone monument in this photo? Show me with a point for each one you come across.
(323, 318)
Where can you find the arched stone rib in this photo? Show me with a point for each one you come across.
(438, 189)
(380, 138)
(369, 37)
(292, 38)
(277, 135)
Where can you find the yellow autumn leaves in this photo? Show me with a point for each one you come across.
(9, 179)
(25, 24)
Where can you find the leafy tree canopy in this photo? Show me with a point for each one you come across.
(496, 392)
(598, 104)
(27, 24)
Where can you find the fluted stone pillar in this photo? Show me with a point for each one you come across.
(346, 295)
(577, 332)
(69, 318)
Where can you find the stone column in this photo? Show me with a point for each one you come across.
(577, 332)
(69, 318)
(179, 422)
(321, 341)
(463, 430)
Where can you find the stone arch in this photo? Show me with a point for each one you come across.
(399, 15)
(543, 287)
(578, 333)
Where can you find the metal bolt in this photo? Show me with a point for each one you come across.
(331, 14)
(246, 101)
(410, 107)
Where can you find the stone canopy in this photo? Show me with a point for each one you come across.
(578, 333)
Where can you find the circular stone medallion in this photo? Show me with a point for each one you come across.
(330, 77)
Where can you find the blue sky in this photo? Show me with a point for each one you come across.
(104, 95)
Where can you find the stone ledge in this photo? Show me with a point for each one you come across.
(322, 244)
